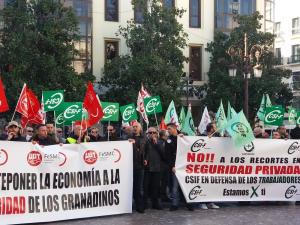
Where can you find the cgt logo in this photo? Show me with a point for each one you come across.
(290, 192)
(115, 155)
(198, 145)
(295, 146)
(90, 157)
(34, 158)
(3, 157)
(195, 192)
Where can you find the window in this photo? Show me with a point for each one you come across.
(195, 13)
(277, 29)
(112, 10)
(169, 3)
(195, 63)
(296, 25)
(295, 53)
(247, 7)
(138, 13)
(111, 49)
(269, 10)
(278, 59)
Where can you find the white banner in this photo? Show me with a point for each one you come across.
(212, 169)
(42, 184)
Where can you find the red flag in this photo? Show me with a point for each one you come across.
(3, 102)
(22, 105)
(92, 104)
(162, 125)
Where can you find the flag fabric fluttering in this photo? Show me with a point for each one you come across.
(171, 115)
(181, 118)
(93, 106)
(188, 127)
(240, 130)
(3, 101)
(204, 121)
(143, 93)
(221, 118)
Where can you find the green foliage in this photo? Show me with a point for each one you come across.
(156, 57)
(38, 41)
(222, 86)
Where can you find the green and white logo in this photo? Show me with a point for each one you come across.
(152, 105)
(292, 116)
(298, 118)
(274, 115)
(59, 120)
(53, 100)
(72, 111)
(240, 128)
(111, 111)
(128, 112)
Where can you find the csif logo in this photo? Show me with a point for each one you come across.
(151, 105)
(90, 157)
(273, 116)
(71, 111)
(198, 145)
(240, 128)
(34, 158)
(290, 192)
(195, 192)
(128, 112)
(60, 119)
(295, 146)
(54, 100)
(109, 111)
(3, 157)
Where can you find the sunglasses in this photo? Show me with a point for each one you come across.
(152, 132)
(59, 131)
(94, 132)
(30, 131)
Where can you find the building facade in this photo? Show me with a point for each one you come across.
(287, 42)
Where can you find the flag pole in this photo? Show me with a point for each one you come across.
(156, 119)
(55, 124)
(18, 101)
(81, 127)
(107, 130)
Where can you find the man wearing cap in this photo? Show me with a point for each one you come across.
(14, 132)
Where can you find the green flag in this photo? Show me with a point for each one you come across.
(152, 105)
(59, 118)
(171, 115)
(128, 113)
(292, 116)
(268, 101)
(230, 112)
(72, 111)
(261, 111)
(188, 126)
(298, 118)
(274, 115)
(53, 100)
(111, 111)
(221, 118)
(181, 117)
(240, 130)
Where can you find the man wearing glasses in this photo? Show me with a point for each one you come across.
(94, 135)
(28, 133)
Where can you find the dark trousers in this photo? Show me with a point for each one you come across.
(164, 182)
(138, 179)
(152, 187)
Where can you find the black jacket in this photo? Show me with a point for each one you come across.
(19, 138)
(139, 152)
(154, 154)
(45, 141)
(171, 151)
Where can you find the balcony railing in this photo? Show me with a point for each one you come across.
(294, 59)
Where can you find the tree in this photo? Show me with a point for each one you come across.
(155, 58)
(221, 86)
(38, 42)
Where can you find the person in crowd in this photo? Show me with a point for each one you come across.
(126, 132)
(295, 133)
(59, 135)
(283, 133)
(111, 134)
(3, 135)
(171, 151)
(164, 171)
(51, 132)
(14, 132)
(139, 141)
(41, 137)
(260, 133)
(77, 136)
(94, 135)
(153, 156)
(276, 135)
(28, 133)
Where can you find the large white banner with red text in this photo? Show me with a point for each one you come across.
(212, 169)
(41, 184)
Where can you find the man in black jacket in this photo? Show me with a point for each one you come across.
(14, 132)
(153, 156)
(138, 140)
(42, 137)
(171, 151)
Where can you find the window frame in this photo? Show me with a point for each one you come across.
(106, 12)
(200, 77)
(190, 14)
